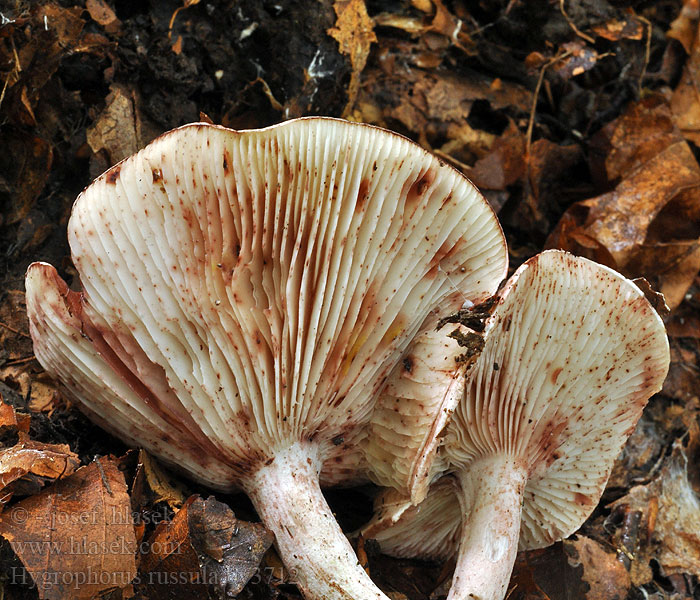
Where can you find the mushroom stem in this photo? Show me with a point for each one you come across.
(491, 498)
(320, 560)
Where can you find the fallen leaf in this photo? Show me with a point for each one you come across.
(685, 25)
(32, 158)
(15, 340)
(446, 24)
(627, 27)
(504, 164)
(668, 522)
(152, 485)
(120, 130)
(28, 466)
(103, 14)
(685, 101)
(76, 538)
(354, 32)
(11, 423)
(546, 574)
(649, 224)
(681, 381)
(580, 58)
(204, 550)
(606, 577)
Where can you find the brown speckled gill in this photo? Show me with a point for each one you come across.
(573, 352)
(244, 297)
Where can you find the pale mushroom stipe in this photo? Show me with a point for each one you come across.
(572, 353)
(244, 297)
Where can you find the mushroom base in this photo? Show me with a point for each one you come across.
(287, 495)
(491, 499)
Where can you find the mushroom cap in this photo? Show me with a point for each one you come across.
(253, 289)
(412, 411)
(429, 530)
(91, 373)
(573, 352)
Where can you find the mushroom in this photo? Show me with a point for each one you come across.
(573, 352)
(429, 530)
(414, 408)
(245, 296)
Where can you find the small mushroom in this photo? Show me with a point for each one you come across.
(246, 295)
(573, 352)
(413, 410)
(429, 530)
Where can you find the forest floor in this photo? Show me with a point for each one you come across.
(578, 119)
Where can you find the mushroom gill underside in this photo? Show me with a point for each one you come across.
(572, 353)
(245, 295)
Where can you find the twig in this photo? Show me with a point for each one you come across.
(533, 108)
(575, 29)
(464, 167)
(647, 51)
(19, 361)
(6, 326)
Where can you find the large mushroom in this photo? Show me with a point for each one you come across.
(246, 294)
(573, 352)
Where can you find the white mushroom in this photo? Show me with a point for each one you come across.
(414, 408)
(429, 530)
(573, 352)
(245, 296)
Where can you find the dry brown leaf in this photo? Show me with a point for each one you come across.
(11, 423)
(684, 27)
(649, 224)
(204, 550)
(28, 466)
(120, 130)
(627, 27)
(76, 538)
(354, 32)
(445, 23)
(685, 102)
(606, 577)
(504, 164)
(151, 482)
(411, 25)
(103, 14)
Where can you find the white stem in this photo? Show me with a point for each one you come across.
(491, 497)
(317, 554)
